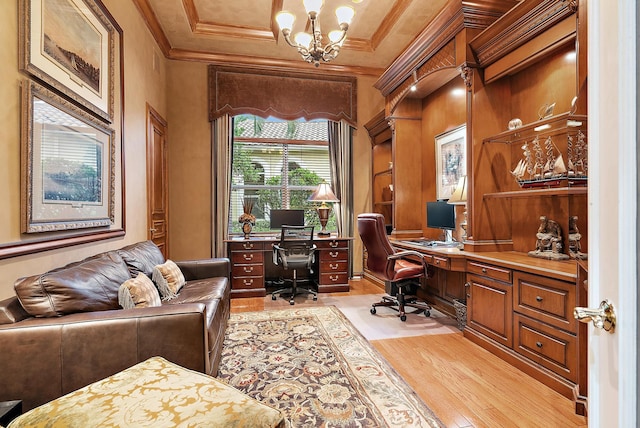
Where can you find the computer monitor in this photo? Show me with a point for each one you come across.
(441, 215)
(277, 218)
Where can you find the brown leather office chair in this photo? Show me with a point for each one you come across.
(295, 250)
(400, 273)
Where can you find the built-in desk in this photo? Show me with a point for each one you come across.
(518, 307)
(253, 269)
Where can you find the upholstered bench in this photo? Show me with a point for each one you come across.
(154, 393)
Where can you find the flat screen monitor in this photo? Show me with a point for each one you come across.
(441, 215)
(278, 218)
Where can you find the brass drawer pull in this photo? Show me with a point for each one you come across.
(484, 270)
(247, 245)
(539, 298)
(333, 267)
(333, 278)
(333, 244)
(248, 256)
(248, 269)
(334, 254)
(437, 262)
(539, 344)
(248, 282)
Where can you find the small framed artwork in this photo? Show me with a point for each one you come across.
(68, 165)
(69, 45)
(451, 164)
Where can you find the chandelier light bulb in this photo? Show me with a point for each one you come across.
(312, 6)
(285, 20)
(345, 15)
(336, 36)
(303, 39)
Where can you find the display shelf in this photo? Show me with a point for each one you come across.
(528, 193)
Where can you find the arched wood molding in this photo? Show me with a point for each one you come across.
(457, 16)
(286, 95)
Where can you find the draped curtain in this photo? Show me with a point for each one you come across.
(221, 176)
(340, 158)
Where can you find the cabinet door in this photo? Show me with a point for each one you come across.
(489, 308)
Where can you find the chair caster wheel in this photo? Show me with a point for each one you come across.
(315, 297)
(273, 297)
(403, 318)
(373, 311)
(427, 314)
(292, 302)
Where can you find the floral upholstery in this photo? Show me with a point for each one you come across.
(154, 393)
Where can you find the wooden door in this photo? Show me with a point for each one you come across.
(157, 189)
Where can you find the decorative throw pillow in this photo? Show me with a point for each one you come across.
(169, 279)
(138, 292)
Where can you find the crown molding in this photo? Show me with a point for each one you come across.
(269, 63)
(456, 16)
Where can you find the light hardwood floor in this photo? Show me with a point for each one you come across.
(464, 385)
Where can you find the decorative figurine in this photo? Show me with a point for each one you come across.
(574, 239)
(247, 219)
(549, 241)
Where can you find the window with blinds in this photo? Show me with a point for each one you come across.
(277, 164)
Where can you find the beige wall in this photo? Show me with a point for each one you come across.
(178, 92)
(190, 225)
(142, 84)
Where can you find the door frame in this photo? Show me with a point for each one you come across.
(613, 220)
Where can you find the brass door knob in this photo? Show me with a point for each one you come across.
(603, 317)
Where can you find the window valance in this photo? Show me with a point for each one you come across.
(287, 95)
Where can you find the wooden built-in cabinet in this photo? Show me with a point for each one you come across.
(512, 60)
(381, 167)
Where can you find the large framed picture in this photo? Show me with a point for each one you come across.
(68, 165)
(451, 164)
(69, 45)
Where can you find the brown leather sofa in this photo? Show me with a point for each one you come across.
(64, 329)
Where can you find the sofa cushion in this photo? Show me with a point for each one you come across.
(141, 257)
(89, 285)
(168, 278)
(138, 292)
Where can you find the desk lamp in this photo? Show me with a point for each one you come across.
(323, 194)
(459, 197)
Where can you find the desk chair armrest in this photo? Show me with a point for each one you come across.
(406, 253)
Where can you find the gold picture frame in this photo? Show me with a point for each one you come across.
(451, 163)
(69, 45)
(68, 165)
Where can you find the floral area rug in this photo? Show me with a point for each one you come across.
(313, 365)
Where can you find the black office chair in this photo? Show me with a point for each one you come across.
(401, 271)
(295, 250)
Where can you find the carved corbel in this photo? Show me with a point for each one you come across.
(466, 73)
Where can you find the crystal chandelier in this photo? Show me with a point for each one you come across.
(310, 46)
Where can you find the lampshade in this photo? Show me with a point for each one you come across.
(459, 196)
(323, 194)
(285, 20)
(345, 14)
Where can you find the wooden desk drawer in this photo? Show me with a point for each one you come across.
(334, 255)
(246, 245)
(247, 283)
(242, 270)
(245, 257)
(334, 266)
(334, 278)
(331, 243)
(547, 346)
(501, 274)
(545, 299)
(440, 262)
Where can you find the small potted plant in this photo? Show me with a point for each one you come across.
(247, 219)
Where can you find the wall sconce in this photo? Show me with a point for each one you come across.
(323, 194)
(459, 197)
